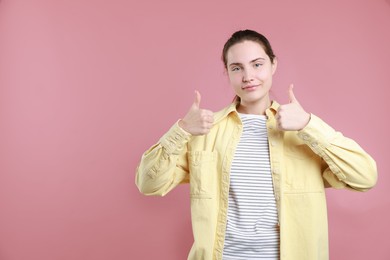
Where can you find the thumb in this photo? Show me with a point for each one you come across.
(196, 103)
(291, 95)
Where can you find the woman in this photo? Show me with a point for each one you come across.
(257, 170)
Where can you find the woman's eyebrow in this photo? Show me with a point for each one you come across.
(257, 59)
(238, 64)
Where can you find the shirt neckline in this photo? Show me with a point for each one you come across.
(252, 115)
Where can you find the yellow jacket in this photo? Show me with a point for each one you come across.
(303, 163)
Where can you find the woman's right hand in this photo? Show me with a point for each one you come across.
(197, 121)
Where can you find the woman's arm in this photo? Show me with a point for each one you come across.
(345, 163)
(165, 164)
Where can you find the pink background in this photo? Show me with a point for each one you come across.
(87, 86)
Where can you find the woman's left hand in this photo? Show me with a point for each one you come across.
(292, 117)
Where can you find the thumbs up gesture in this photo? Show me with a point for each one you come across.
(292, 116)
(197, 121)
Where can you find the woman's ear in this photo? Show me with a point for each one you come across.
(274, 65)
(225, 72)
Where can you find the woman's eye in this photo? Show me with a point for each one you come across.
(258, 65)
(235, 68)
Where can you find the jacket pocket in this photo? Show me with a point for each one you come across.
(203, 174)
(303, 174)
(301, 152)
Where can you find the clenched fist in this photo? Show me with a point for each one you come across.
(292, 116)
(197, 121)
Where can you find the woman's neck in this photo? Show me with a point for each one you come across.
(256, 108)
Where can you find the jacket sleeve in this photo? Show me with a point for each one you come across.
(345, 163)
(165, 164)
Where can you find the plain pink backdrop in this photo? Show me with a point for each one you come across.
(87, 86)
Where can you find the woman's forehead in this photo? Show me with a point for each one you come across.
(245, 52)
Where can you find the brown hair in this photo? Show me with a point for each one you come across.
(247, 35)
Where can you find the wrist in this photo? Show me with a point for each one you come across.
(182, 125)
(307, 120)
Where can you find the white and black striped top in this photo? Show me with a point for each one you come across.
(252, 231)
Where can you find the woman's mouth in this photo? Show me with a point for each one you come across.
(249, 87)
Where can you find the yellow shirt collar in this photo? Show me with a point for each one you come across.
(218, 116)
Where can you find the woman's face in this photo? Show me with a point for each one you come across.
(250, 71)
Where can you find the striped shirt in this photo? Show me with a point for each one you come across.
(252, 231)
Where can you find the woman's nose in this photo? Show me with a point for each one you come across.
(247, 76)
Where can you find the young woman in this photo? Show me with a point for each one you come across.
(257, 169)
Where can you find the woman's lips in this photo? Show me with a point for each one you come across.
(250, 87)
